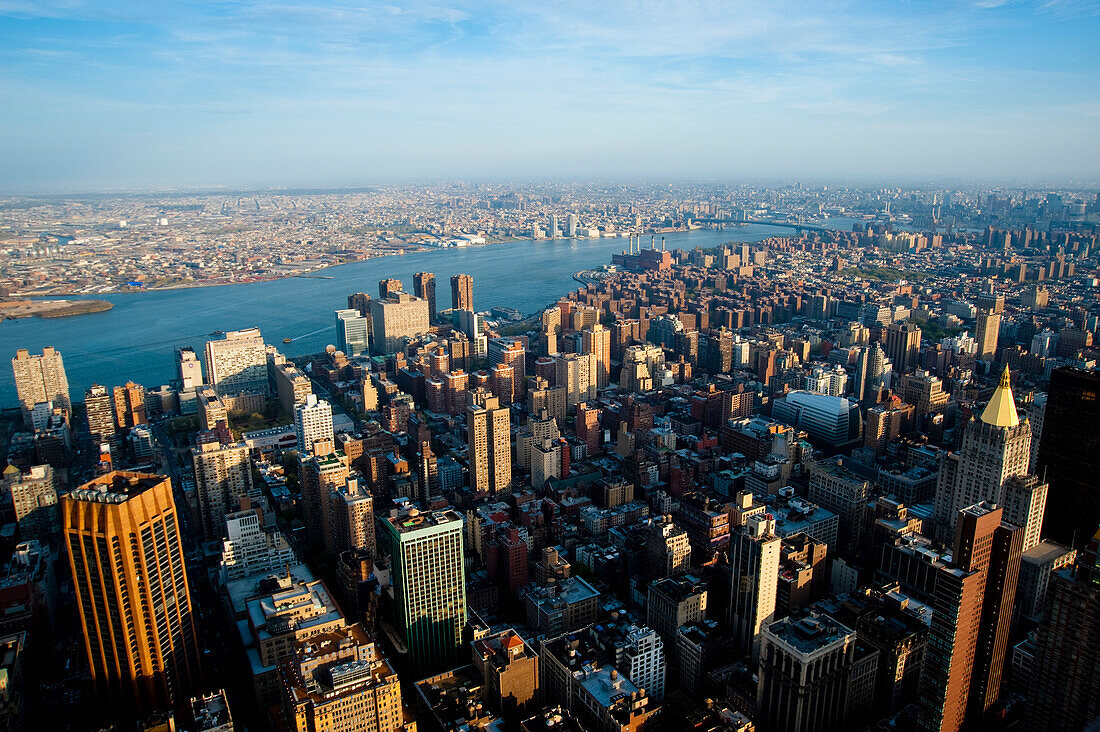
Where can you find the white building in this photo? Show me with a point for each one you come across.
(250, 551)
(238, 364)
(312, 423)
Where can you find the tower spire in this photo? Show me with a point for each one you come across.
(1001, 410)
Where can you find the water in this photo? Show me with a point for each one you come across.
(136, 340)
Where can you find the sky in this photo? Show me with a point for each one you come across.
(140, 94)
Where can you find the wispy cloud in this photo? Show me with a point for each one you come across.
(447, 86)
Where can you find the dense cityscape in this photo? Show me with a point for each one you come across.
(841, 477)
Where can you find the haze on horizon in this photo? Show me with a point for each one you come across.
(132, 94)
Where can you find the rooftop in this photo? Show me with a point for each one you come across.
(808, 635)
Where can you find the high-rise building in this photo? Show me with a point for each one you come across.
(320, 476)
(398, 317)
(223, 473)
(571, 225)
(390, 288)
(806, 674)
(424, 288)
(130, 405)
(237, 364)
(462, 292)
(552, 230)
(754, 582)
(132, 594)
(351, 332)
(1069, 455)
(488, 435)
(101, 418)
(40, 379)
(995, 449)
(429, 584)
(986, 333)
(1065, 683)
(511, 352)
(576, 373)
(312, 423)
(34, 502)
(188, 368)
(250, 551)
(596, 340)
(903, 345)
(972, 599)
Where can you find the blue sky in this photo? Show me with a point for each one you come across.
(135, 94)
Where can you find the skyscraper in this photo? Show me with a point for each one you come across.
(429, 584)
(571, 225)
(223, 473)
(596, 340)
(1065, 685)
(424, 288)
(101, 418)
(510, 352)
(903, 345)
(132, 593)
(576, 373)
(1069, 455)
(995, 448)
(238, 363)
(972, 612)
(462, 292)
(40, 379)
(986, 333)
(488, 434)
(312, 423)
(351, 332)
(754, 582)
(805, 674)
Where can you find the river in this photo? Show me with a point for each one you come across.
(136, 340)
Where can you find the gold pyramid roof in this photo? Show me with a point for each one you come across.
(1001, 410)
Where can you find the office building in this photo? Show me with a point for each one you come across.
(903, 345)
(996, 448)
(188, 368)
(429, 584)
(561, 606)
(312, 423)
(489, 438)
(40, 379)
(986, 334)
(754, 581)
(1065, 681)
(424, 288)
(132, 593)
(673, 602)
(237, 364)
(1069, 456)
(396, 318)
(836, 486)
(462, 292)
(972, 600)
(806, 675)
(223, 473)
(352, 336)
(833, 421)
